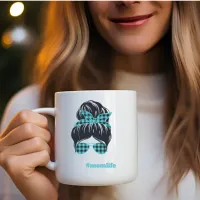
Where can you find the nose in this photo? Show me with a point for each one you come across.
(126, 3)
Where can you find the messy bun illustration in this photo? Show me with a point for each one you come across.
(93, 121)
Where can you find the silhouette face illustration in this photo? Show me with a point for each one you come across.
(92, 130)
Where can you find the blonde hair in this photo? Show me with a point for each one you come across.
(71, 46)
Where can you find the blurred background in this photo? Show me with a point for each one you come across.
(19, 36)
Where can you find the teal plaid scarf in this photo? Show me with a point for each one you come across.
(89, 119)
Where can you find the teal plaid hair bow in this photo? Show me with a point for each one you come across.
(89, 119)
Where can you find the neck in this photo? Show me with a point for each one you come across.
(154, 61)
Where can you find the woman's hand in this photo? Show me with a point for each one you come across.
(23, 147)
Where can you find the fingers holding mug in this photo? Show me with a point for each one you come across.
(24, 132)
(32, 145)
(23, 117)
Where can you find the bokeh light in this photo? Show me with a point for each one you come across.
(6, 41)
(16, 9)
(17, 35)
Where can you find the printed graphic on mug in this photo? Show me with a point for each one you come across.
(93, 121)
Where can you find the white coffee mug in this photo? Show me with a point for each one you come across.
(95, 137)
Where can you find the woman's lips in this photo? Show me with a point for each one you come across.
(132, 21)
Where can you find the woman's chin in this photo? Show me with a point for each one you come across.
(131, 50)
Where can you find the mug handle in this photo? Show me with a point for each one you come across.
(49, 111)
